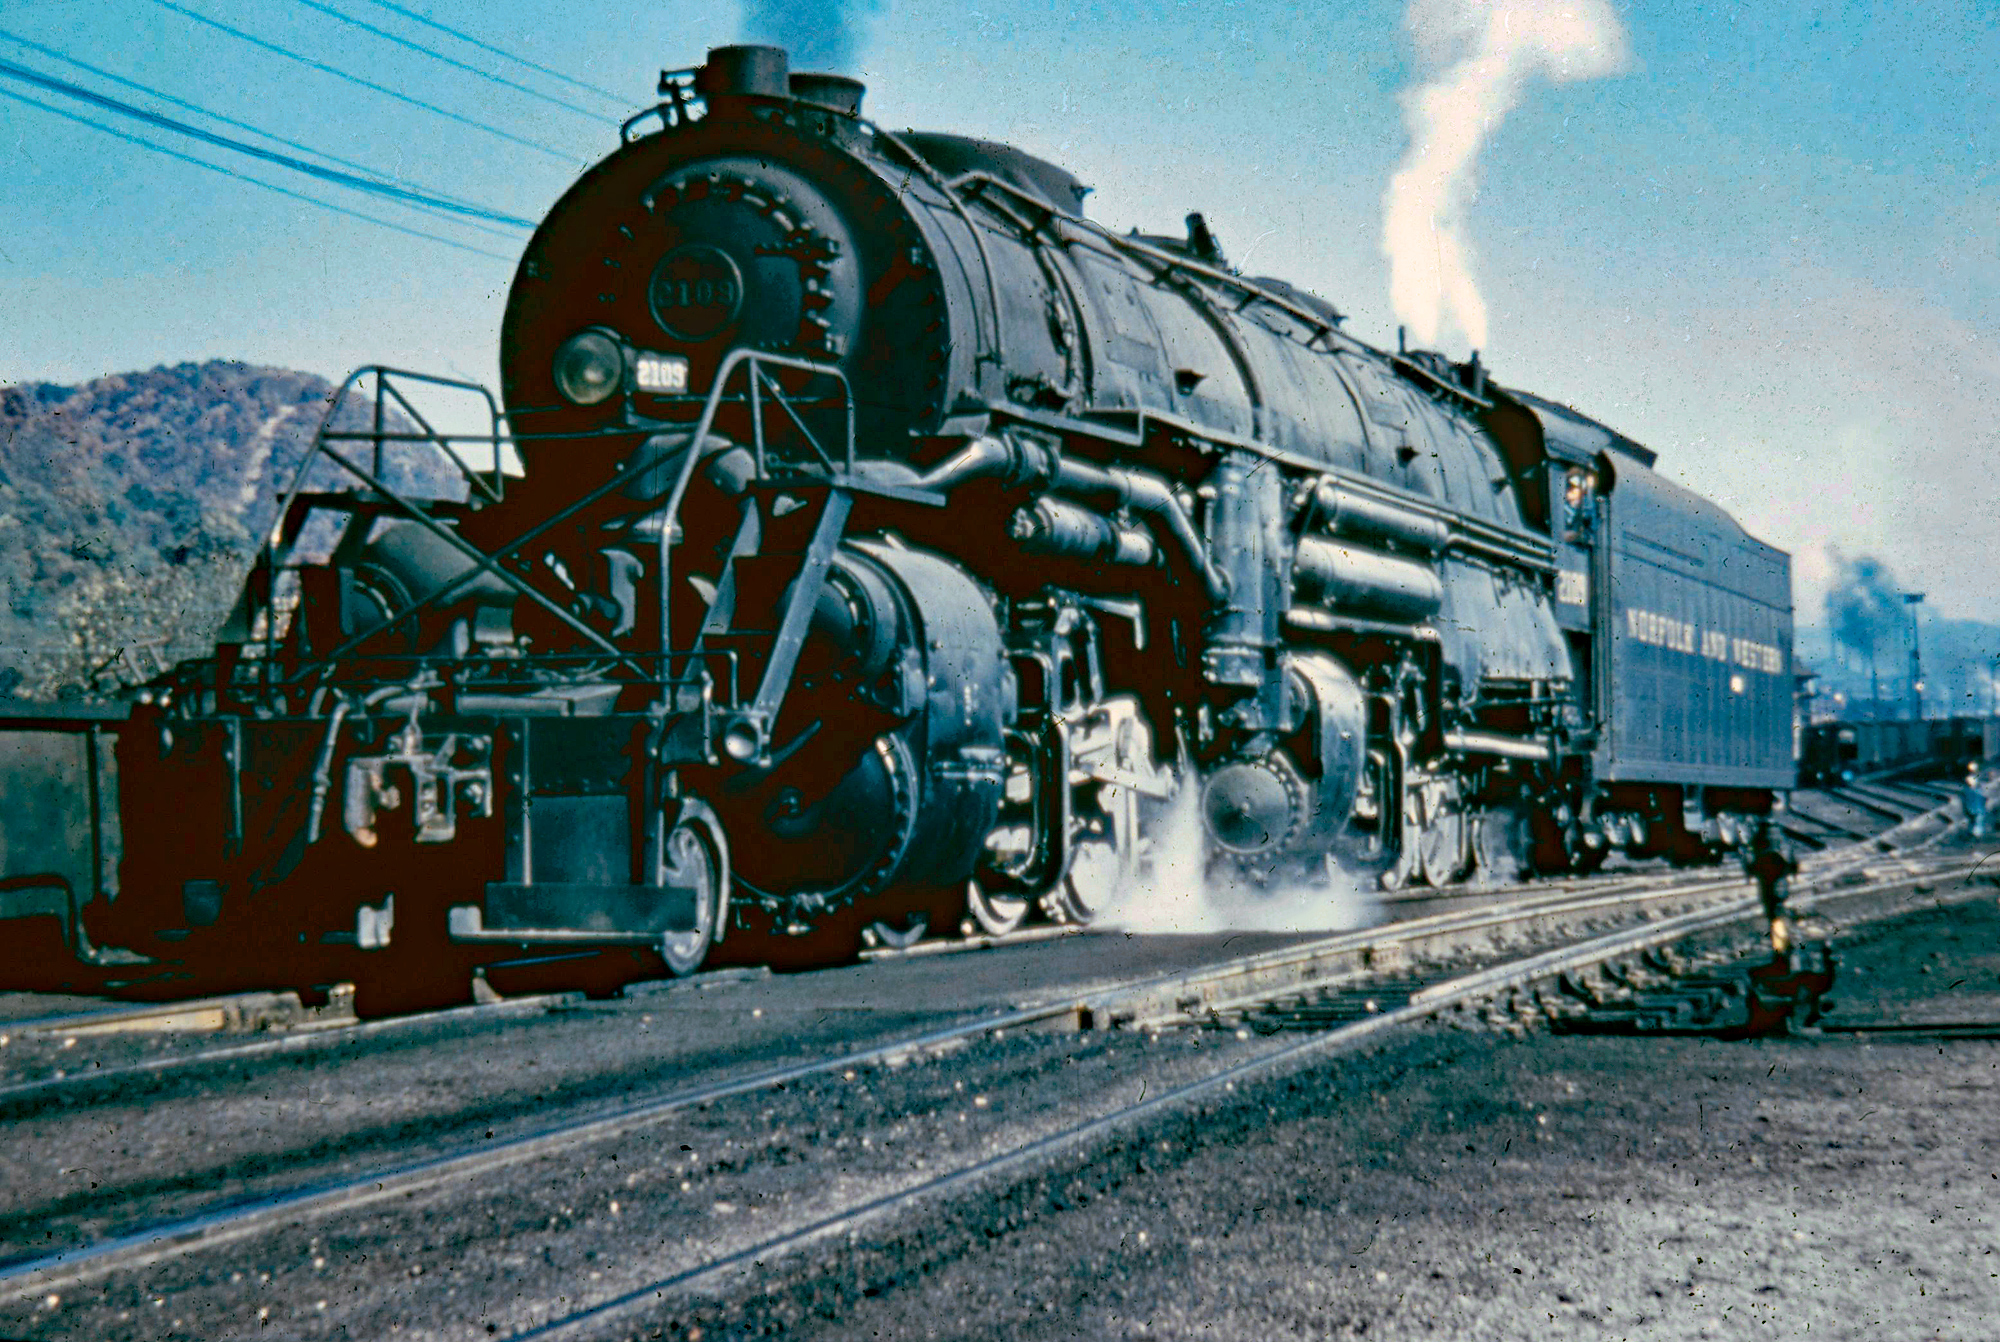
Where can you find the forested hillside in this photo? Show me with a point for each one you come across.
(130, 510)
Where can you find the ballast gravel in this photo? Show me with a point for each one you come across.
(1451, 1183)
(1480, 1186)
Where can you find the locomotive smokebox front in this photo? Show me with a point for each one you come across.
(757, 225)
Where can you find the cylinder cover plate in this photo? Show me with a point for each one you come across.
(1253, 806)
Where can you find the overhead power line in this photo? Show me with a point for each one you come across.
(469, 39)
(23, 74)
(456, 64)
(144, 143)
(133, 84)
(324, 68)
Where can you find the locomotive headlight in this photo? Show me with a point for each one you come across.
(589, 368)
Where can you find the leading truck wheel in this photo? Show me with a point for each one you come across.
(694, 856)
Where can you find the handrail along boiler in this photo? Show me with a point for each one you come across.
(891, 540)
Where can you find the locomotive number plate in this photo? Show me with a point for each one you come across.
(661, 374)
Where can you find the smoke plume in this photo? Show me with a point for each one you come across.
(821, 35)
(1483, 53)
(1864, 606)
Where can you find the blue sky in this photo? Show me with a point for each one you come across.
(1770, 248)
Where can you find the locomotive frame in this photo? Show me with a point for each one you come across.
(894, 543)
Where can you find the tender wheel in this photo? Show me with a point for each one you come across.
(693, 855)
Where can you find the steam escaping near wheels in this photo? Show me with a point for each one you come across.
(1183, 883)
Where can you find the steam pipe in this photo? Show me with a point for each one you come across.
(1328, 574)
(1113, 489)
(1492, 743)
(1107, 488)
(980, 459)
(1347, 512)
(322, 782)
(1052, 526)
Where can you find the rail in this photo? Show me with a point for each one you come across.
(1378, 979)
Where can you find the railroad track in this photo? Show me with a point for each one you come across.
(285, 1029)
(291, 1031)
(306, 1031)
(1336, 1021)
(1365, 982)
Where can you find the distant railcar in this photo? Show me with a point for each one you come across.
(1836, 752)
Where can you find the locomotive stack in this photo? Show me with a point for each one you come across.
(892, 543)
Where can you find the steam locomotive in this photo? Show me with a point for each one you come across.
(889, 543)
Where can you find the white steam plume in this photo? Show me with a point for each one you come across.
(1175, 890)
(1484, 52)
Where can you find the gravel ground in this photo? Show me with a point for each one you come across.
(164, 1146)
(1471, 1185)
(1449, 1183)
(529, 1242)
(95, 1159)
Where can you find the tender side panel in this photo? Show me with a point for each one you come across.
(1700, 643)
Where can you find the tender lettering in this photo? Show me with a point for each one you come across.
(1663, 631)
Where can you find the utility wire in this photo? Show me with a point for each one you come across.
(414, 17)
(324, 68)
(388, 36)
(54, 54)
(62, 86)
(144, 143)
